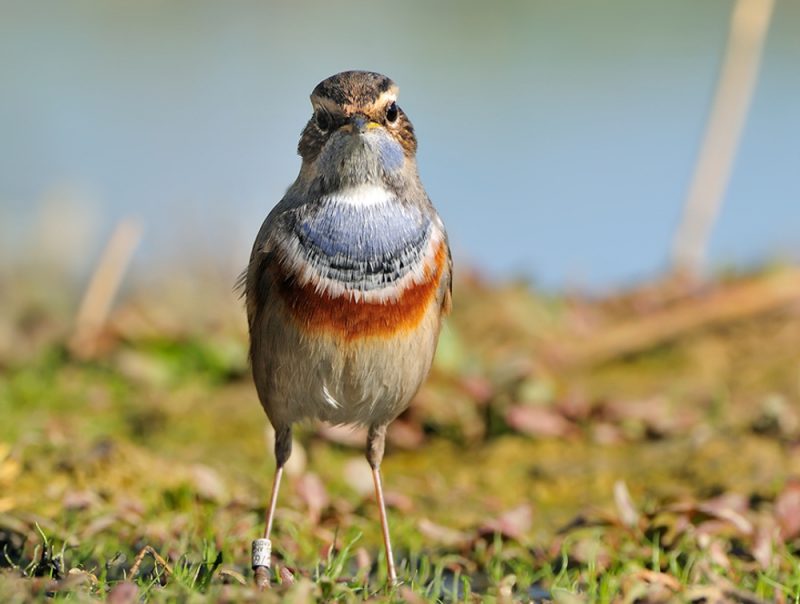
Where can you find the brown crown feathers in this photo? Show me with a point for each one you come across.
(340, 97)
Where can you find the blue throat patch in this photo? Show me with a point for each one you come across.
(391, 155)
(365, 247)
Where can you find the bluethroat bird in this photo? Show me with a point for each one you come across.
(348, 281)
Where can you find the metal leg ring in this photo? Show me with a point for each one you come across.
(262, 553)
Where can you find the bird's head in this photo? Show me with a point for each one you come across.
(358, 133)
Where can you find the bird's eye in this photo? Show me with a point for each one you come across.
(323, 120)
(392, 112)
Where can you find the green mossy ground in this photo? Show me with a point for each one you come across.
(501, 478)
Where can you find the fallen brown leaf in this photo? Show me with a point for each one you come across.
(442, 534)
(537, 421)
(766, 536)
(405, 435)
(787, 510)
(209, 484)
(625, 508)
(125, 592)
(313, 493)
(512, 524)
(357, 475)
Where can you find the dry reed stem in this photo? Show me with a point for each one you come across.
(103, 286)
(749, 24)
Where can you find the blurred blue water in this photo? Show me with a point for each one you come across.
(557, 138)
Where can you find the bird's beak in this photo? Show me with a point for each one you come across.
(359, 123)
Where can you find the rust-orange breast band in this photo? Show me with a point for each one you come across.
(351, 319)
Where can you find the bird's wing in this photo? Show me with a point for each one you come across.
(445, 293)
(256, 280)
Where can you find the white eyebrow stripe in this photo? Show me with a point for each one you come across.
(384, 98)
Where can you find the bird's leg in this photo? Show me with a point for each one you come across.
(376, 441)
(262, 548)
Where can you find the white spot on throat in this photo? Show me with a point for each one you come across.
(361, 195)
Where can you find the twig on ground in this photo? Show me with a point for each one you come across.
(732, 303)
(156, 556)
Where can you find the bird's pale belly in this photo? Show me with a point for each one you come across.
(366, 380)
